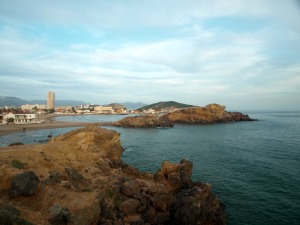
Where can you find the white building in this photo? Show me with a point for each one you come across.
(22, 118)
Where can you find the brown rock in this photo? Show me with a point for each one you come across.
(108, 193)
(144, 122)
(130, 188)
(209, 114)
(130, 206)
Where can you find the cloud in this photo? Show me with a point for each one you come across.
(150, 50)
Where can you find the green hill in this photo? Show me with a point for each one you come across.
(160, 105)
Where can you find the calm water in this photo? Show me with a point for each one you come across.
(254, 166)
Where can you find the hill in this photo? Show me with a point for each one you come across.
(133, 105)
(169, 104)
(17, 102)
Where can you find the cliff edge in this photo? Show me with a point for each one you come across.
(80, 178)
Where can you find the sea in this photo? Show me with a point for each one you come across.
(254, 167)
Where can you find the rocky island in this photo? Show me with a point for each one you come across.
(80, 178)
(210, 114)
(144, 122)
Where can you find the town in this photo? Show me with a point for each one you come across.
(34, 113)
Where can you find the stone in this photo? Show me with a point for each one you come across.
(185, 170)
(130, 206)
(197, 205)
(149, 215)
(9, 215)
(130, 188)
(24, 184)
(59, 215)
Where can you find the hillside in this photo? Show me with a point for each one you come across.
(17, 102)
(169, 104)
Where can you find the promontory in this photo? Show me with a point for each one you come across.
(80, 178)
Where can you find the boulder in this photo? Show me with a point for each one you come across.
(9, 215)
(197, 206)
(24, 184)
(130, 206)
(59, 215)
(130, 188)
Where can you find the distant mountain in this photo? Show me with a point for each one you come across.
(133, 105)
(17, 102)
(160, 105)
(12, 101)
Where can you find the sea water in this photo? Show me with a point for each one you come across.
(254, 167)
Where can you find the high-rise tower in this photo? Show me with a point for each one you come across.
(51, 100)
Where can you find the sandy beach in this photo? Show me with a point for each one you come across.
(48, 124)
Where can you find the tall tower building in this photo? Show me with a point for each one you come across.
(51, 100)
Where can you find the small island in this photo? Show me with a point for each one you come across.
(210, 114)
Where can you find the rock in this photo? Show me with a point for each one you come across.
(108, 190)
(9, 215)
(176, 173)
(150, 215)
(185, 171)
(130, 188)
(197, 206)
(144, 122)
(24, 184)
(59, 215)
(54, 176)
(209, 114)
(130, 206)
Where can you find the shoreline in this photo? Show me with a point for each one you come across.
(6, 129)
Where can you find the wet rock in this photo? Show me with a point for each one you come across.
(24, 184)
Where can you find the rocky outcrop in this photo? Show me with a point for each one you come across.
(24, 184)
(144, 122)
(209, 114)
(84, 181)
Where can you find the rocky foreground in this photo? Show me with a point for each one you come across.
(80, 178)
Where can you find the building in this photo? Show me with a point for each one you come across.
(51, 100)
(21, 118)
(104, 109)
(31, 107)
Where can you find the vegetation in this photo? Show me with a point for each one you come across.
(17, 164)
(16, 143)
(160, 105)
(10, 120)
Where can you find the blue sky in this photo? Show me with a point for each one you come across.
(240, 53)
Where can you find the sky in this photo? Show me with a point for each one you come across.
(239, 53)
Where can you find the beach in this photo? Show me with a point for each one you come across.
(48, 123)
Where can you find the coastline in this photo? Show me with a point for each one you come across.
(48, 124)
